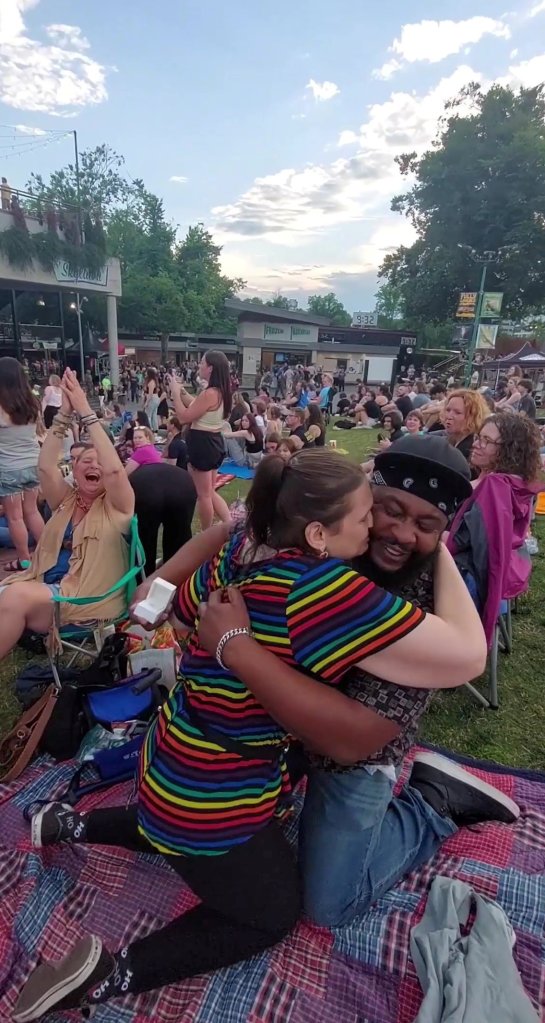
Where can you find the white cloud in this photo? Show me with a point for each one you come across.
(347, 138)
(514, 53)
(322, 91)
(432, 41)
(538, 8)
(292, 204)
(26, 129)
(68, 35)
(388, 69)
(357, 268)
(54, 78)
(526, 74)
(178, 179)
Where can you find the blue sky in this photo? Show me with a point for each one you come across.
(280, 119)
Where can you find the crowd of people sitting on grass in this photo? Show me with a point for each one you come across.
(315, 634)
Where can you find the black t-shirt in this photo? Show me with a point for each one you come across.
(528, 406)
(178, 449)
(404, 405)
(300, 432)
(372, 409)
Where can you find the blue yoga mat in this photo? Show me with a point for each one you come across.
(240, 471)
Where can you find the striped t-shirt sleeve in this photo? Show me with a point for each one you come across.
(336, 617)
(210, 576)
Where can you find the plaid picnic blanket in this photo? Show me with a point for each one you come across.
(361, 973)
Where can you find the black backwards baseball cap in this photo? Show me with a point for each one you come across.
(426, 466)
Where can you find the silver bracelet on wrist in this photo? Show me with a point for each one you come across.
(230, 634)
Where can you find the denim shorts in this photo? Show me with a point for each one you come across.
(15, 481)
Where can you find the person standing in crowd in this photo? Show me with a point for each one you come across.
(164, 496)
(205, 415)
(52, 400)
(5, 193)
(19, 453)
(107, 388)
(465, 413)
(527, 405)
(151, 398)
(133, 384)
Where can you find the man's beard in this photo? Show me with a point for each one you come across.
(413, 567)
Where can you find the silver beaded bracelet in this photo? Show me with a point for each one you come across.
(225, 639)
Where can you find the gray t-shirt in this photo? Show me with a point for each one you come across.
(19, 448)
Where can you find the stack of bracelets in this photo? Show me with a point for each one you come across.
(63, 422)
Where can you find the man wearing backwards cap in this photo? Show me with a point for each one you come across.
(356, 840)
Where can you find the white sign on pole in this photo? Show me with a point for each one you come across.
(364, 319)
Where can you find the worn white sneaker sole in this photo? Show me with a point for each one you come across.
(50, 983)
(456, 771)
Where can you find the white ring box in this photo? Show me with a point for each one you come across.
(156, 602)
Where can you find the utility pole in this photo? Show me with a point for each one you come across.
(476, 324)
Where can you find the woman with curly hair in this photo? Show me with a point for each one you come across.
(463, 416)
(507, 444)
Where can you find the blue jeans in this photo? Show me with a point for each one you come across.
(356, 841)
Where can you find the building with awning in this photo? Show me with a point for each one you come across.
(39, 282)
(268, 336)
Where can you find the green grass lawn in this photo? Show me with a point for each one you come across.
(511, 735)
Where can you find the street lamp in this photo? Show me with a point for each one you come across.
(485, 259)
(77, 307)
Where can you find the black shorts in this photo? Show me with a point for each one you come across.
(205, 450)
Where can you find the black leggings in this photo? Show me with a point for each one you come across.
(250, 901)
(165, 496)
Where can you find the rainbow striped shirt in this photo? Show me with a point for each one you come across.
(194, 797)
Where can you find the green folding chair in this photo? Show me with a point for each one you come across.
(76, 638)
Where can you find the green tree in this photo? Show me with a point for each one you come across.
(278, 301)
(482, 185)
(330, 306)
(390, 306)
(102, 186)
(204, 286)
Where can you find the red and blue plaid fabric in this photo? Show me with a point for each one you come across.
(361, 973)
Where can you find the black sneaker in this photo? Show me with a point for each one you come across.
(64, 985)
(453, 792)
(56, 822)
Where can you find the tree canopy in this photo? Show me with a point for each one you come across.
(481, 187)
(167, 286)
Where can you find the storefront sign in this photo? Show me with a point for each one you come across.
(277, 333)
(64, 273)
(467, 304)
(287, 332)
